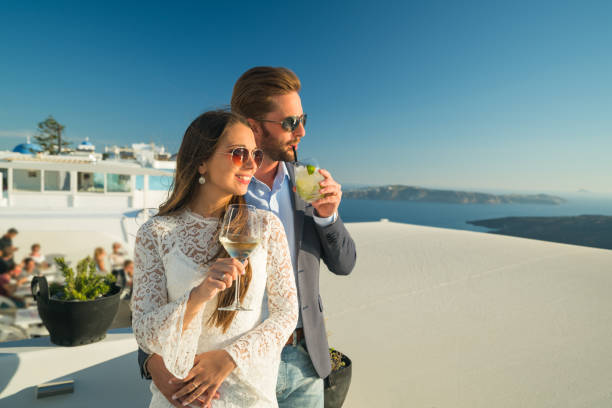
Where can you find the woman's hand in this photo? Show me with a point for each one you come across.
(221, 276)
(208, 373)
(161, 377)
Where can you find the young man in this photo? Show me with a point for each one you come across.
(268, 98)
(7, 240)
(7, 260)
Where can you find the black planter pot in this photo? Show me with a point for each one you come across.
(74, 323)
(337, 385)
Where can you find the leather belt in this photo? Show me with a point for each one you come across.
(295, 337)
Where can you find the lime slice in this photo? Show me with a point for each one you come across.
(311, 169)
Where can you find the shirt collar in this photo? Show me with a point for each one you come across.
(279, 179)
(281, 174)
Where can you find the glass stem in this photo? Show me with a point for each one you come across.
(237, 299)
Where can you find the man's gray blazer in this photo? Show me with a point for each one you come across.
(332, 244)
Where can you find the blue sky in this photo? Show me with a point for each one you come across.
(489, 95)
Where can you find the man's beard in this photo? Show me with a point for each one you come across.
(275, 150)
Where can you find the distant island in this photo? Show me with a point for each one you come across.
(587, 230)
(408, 193)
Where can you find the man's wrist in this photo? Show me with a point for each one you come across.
(325, 221)
(145, 370)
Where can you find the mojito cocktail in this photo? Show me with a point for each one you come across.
(307, 179)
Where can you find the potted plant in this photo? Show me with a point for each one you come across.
(80, 311)
(338, 382)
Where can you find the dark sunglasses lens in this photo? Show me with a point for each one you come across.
(258, 157)
(290, 123)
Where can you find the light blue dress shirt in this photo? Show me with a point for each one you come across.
(278, 201)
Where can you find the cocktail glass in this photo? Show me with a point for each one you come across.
(307, 179)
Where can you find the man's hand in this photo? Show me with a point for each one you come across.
(161, 377)
(332, 194)
(206, 376)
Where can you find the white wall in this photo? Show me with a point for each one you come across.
(40, 200)
(95, 201)
(153, 199)
(23, 182)
(99, 201)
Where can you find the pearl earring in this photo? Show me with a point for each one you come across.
(202, 180)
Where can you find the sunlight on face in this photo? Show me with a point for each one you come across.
(222, 173)
(275, 141)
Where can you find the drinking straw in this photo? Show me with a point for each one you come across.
(294, 154)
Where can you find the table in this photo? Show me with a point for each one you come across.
(105, 373)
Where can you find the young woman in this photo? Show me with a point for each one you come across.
(100, 260)
(183, 275)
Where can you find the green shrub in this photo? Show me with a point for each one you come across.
(86, 284)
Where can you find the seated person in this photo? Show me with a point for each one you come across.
(3, 265)
(38, 256)
(117, 258)
(124, 275)
(18, 278)
(8, 289)
(128, 268)
(29, 268)
(7, 262)
(100, 260)
(7, 240)
(128, 275)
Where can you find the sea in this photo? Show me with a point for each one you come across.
(454, 216)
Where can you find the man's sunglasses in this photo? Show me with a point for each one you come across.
(290, 123)
(240, 155)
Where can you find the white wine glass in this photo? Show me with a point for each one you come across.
(240, 235)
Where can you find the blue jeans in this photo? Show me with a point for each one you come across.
(298, 384)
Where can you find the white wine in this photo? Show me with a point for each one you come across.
(239, 249)
(239, 235)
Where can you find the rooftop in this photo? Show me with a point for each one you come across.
(430, 318)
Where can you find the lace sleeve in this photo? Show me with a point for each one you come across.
(266, 341)
(157, 323)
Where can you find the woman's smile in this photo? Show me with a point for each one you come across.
(244, 179)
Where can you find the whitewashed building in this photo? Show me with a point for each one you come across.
(60, 182)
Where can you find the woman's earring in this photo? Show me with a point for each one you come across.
(202, 180)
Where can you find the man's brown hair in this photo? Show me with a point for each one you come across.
(253, 92)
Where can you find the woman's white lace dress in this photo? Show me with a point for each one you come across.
(169, 257)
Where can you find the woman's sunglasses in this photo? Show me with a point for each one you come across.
(240, 155)
(290, 123)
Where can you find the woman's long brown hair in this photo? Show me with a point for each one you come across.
(199, 143)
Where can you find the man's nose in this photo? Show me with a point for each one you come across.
(300, 131)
